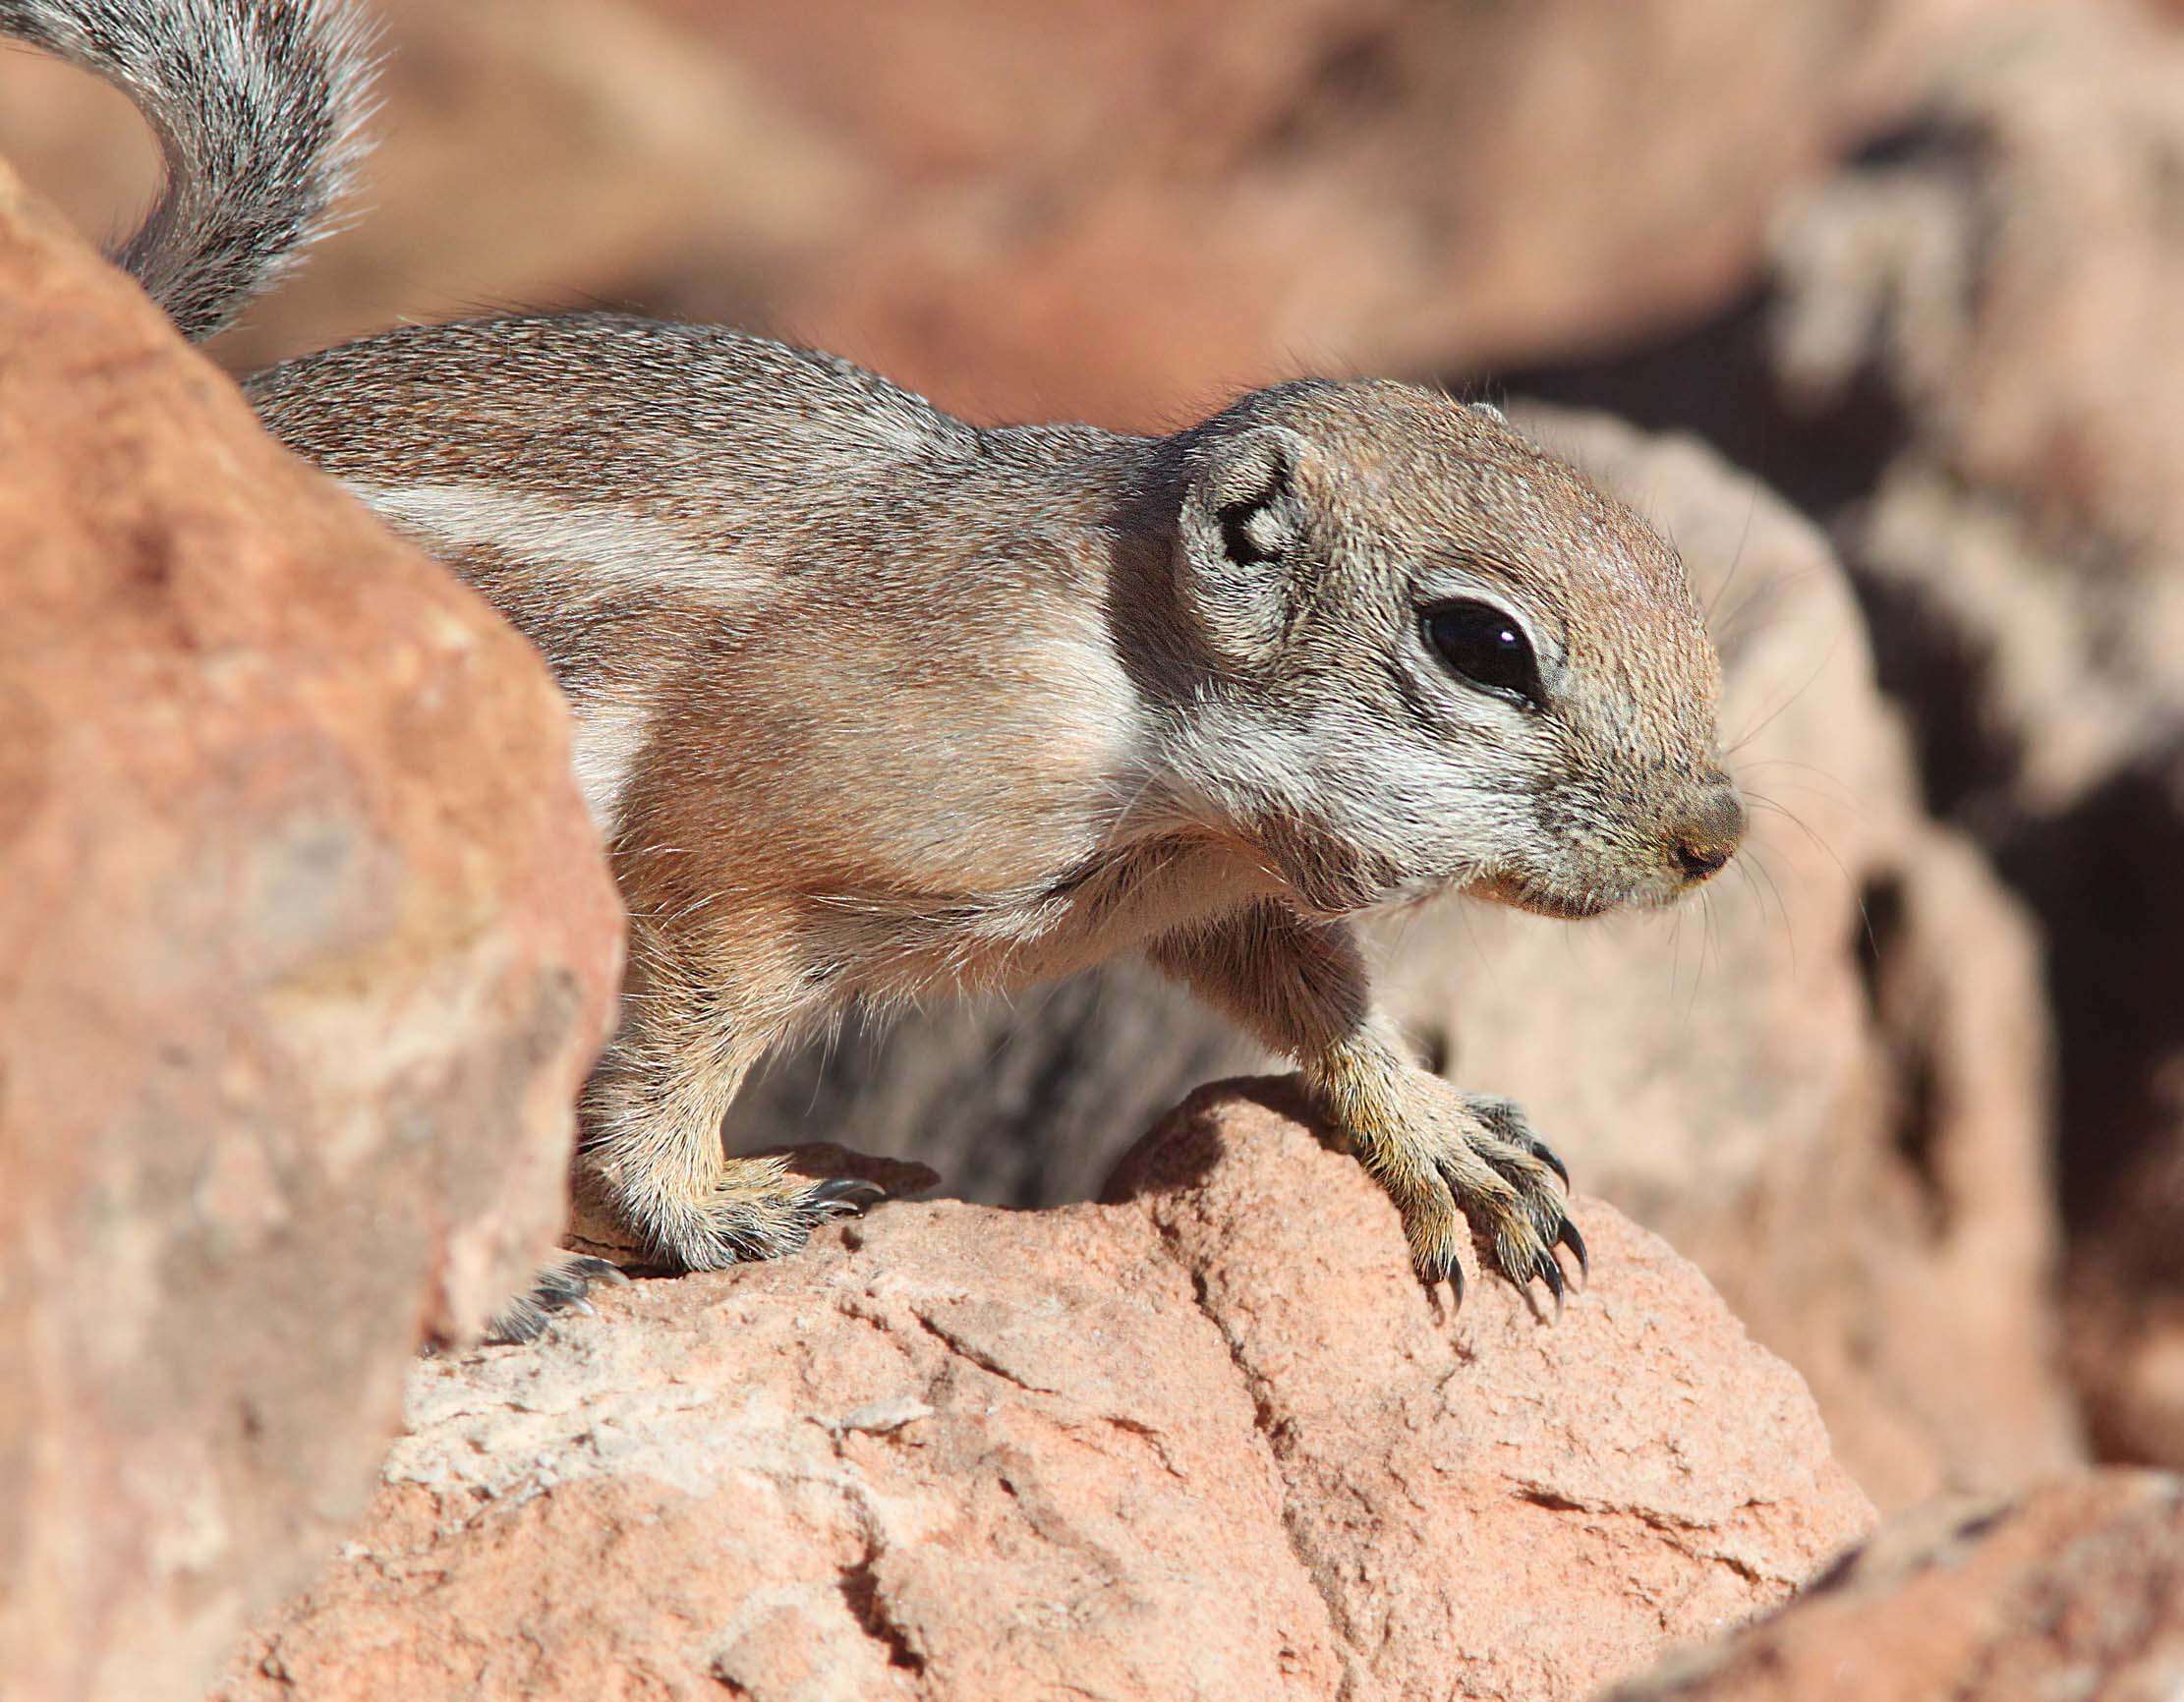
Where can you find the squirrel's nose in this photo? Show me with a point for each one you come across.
(1711, 835)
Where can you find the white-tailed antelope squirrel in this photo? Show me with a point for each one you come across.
(873, 704)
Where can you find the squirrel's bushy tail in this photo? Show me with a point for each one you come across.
(258, 106)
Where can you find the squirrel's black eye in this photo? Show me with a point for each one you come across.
(1482, 644)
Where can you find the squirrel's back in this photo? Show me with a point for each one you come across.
(589, 402)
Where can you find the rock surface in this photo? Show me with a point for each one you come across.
(304, 942)
(1193, 207)
(2077, 1590)
(1208, 1440)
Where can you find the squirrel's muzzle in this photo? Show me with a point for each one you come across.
(1703, 844)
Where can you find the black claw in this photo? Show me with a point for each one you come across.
(564, 1283)
(1550, 1274)
(1545, 1154)
(1569, 1237)
(1433, 1275)
(845, 1196)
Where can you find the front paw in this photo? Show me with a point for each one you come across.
(1458, 1165)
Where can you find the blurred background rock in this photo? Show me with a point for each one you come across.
(1912, 1089)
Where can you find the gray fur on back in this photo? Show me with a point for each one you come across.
(260, 107)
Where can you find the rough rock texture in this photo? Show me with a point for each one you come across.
(2077, 1590)
(304, 941)
(1208, 1440)
(1827, 1082)
(1192, 203)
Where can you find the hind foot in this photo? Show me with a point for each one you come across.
(561, 1285)
(750, 1209)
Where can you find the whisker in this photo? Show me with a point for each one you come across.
(1730, 627)
(1844, 794)
(1858, 896)
(1757, 872)
(1770, 718)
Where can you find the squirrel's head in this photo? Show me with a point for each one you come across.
(1429, 654)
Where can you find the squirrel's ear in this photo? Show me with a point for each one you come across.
(1242, 523)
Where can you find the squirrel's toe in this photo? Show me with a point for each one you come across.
(844, 1197)
(562, 1284)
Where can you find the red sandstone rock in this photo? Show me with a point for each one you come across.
(1209, 1441)
(304, 942)
(2078, 1590)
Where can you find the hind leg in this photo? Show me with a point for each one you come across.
(699, 1013)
